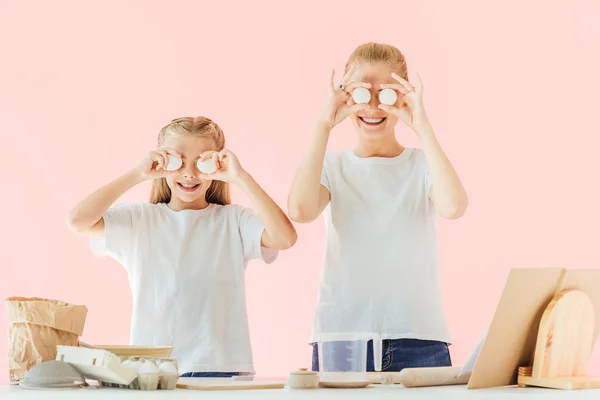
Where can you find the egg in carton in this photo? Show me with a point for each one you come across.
(153, 373)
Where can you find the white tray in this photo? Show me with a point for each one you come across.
(99, 365)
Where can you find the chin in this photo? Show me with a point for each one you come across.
(190, 197)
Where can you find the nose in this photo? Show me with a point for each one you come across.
(374, 102)
(189, 171)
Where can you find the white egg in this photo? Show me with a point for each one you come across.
(207, 166)
(135, 365)
(148, 368)
(168, 368)
(388, 96)
(127, 363)
(173, 163)
(361, 95)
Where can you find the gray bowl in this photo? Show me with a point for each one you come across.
(53, 375)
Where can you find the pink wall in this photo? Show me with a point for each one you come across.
(512, 90)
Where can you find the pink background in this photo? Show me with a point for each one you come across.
(512, 90)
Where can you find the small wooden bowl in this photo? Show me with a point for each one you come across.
(303, 379)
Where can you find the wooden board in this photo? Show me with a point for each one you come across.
(565, 337)
(574, 383)
(511, 338)
(231, 385)
(344, 385)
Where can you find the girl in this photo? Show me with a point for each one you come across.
(380, 271)
(186, 251)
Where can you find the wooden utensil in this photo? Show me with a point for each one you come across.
(419, 377)
(231, 385)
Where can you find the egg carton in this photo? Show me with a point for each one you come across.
(111, 371)
(165, 378)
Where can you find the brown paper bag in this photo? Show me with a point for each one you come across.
(35, 327)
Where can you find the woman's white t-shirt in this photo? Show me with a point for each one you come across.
(186, 272)
(380, 270)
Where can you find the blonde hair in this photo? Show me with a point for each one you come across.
(377, 52)
(202, 127)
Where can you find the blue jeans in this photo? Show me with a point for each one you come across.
(209, 374)
(398, 354)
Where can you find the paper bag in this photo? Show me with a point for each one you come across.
(35, 327)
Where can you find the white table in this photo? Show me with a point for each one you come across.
(373, 392)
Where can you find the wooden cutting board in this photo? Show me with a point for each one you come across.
(565, 337)
(564, 343)
(235, 385)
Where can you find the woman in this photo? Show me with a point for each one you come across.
(380, 271)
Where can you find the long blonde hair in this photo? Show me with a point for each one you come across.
(377, 52)
(202, 127)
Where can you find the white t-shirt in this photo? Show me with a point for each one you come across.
(380, 270)
(186, 272)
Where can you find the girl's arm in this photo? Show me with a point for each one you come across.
(279, 233)
(87, 216)
(308, 198)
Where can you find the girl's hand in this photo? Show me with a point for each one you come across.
(154, 164)
(409, 107)
(339, 106)
(228, 166)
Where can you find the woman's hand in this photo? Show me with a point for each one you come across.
(409, 107)
(154, 164)
(228, 166)
(338, 105)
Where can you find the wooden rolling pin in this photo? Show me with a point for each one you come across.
(418, 377)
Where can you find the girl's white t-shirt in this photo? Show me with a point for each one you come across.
(380, 269)
(186, 273)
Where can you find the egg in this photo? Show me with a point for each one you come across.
(135, 365)
(361, 95)
(207, 166)
(148, 368)
(168, 368)
(173, 163)
(388, 97)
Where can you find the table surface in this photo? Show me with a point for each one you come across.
(372, 392)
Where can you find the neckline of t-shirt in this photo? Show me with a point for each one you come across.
(381, 160)
(202, 210)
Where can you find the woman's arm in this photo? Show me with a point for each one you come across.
(447, 193)
(308, 198)
(87, 216)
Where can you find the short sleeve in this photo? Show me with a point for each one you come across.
(119, 226)
(426, 175)
(251, 231)
(427, 179)
(325, 176)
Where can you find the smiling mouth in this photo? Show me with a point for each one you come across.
(372, 121)
(188, 188)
